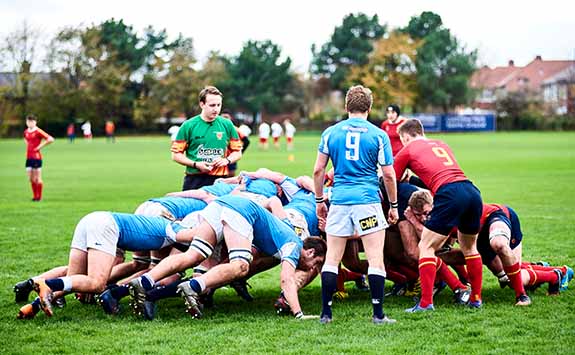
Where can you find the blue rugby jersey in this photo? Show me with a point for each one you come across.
(145, 233)
(180, 207)
(271, 236)
(356, 148)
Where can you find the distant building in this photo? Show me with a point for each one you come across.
(551, 81)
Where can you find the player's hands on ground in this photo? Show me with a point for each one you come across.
(393, 216)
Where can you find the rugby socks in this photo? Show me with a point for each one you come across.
(540, 276)
(36, 305)
(60, 284)
(395, 275)
(461, 273)
(39, 187)
(514, 274)
(475, 271)
(328, 288)
(542, 268)
(147, 282)
(120, 291)
(198, 285)
(408, 272)
(376, 279)
(34, 193)
(162, 292)
(443, 273)
(427, 270)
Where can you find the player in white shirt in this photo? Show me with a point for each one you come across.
(277, 131)
(290, 132)
(264, 133)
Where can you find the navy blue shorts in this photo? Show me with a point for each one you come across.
(512, 222)
(457, 204)
(34, 163)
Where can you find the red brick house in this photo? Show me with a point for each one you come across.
(551, 81)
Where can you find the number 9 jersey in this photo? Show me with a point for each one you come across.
(431, 160)
(356, 148)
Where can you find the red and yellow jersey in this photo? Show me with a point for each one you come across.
(33, 139)
(431, 160)
(391, 130)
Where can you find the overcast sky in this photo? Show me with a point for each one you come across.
(500, 30)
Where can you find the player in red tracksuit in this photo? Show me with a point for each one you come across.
(36, 139)
(390, 125)
(457, 204)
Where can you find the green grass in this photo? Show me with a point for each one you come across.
(532, 172)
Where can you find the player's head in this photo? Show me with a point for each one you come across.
(392, 111)
(358, 100)
(210, 102)
(410, 129)
(31, 121)
(226, 113)
(421, 204)
(313, 253)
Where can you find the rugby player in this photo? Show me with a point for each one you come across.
(356, 149)
(457, 204)
(93, 251)
(36, 139)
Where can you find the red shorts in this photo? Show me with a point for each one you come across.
(276, 139)
(289, 139)
(263, 140)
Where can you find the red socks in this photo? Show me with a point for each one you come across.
(443, 273)
(475, 271)
(427, 269)
(37, 190)
(514, 274)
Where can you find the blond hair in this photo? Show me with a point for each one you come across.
(209, 90)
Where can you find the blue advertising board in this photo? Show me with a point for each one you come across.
(456, 123)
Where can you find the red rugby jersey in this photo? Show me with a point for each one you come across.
(431, 160)
(33, 140)
(488, 209)
(391, 130)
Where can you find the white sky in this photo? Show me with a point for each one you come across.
(500, 30)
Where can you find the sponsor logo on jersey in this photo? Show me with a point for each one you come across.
(219, 135)
(368, 223)
(209, 154)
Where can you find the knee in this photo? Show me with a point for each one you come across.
(501, 248)
(97, 285)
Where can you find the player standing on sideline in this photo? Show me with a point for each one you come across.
(390, 127)
(71, 132)
(356, 149)
(290, 132)
(110, 128)
(264, 133)
(87, 130)
(457, 204)
(36, 139)
(207, 143)
(277, 131)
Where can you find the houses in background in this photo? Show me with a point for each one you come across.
(551, 82)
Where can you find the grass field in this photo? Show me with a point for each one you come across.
(532, 172)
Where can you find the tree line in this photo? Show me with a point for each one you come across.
(110, 71)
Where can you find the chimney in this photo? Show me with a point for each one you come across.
(538, 57)
(511, 63)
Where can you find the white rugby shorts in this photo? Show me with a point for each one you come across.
(238, 223)
(97, 230)
(213, 215)
(345, 220)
